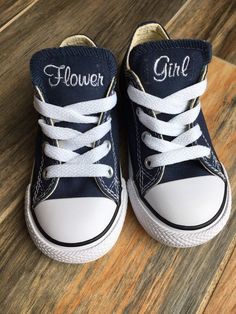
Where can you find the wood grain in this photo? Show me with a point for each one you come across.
(209, 20)
(10, 10)
(224, 296)
(139, 275)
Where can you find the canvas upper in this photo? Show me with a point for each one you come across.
(188, 194)
(74, 211)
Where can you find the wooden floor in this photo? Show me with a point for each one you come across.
(139, 275)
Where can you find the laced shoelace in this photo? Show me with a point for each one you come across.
(73, 164)
(179, 127)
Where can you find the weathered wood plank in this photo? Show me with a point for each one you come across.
(139, 274)
(223, 299)
(209, 20)
(11, 9)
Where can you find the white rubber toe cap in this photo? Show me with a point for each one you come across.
(188, 202)
(75, 220)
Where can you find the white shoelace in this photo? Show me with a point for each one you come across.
(69, 140)
(175, 150)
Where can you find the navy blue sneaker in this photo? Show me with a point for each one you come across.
(178, 188)
(76, 201)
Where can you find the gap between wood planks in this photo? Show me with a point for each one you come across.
(14, 18)
(175, 16)
(217, 277)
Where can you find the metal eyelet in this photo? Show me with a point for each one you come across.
(108, 144)
(138, 110)
(148, 163)
(144, 135)
(110, 173)
(44, 145)
(44, 174)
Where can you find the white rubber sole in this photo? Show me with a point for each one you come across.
(77, 255)
(171, 236)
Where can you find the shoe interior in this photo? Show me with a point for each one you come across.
(145, 33)
(78, 40)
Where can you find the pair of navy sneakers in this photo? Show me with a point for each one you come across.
(77, 199)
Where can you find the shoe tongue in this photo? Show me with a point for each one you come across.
(72, 74)
(164, 67)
